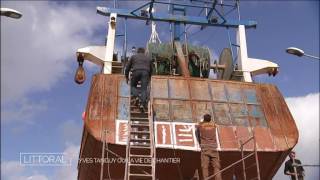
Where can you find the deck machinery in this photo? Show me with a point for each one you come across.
(255, 128)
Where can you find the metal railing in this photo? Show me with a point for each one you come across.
(242, 160)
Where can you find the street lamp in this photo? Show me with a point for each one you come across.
(10, 13)
(299, 52)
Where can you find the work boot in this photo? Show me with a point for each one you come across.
(135, 101)
(141, 108)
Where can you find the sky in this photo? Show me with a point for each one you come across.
(41, 106)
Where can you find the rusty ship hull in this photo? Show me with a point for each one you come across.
(239, 109)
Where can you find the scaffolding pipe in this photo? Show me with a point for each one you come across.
(243, 163)
(102, 154)
(256, 155)
(228, 167)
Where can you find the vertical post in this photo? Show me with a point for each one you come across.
(295, 169)
(107, 68)
(104, 139)
(243, 61)
(176, 31)
(256, 155)
(125, 42)
(243, 162)
(114, 3)
(186, 45)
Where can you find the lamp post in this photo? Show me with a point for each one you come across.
(299, 52)
(10, 13)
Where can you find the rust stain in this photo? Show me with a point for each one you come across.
(227, 138)
(264, 139)
(199, 90)
(243, 134)
(177, 99)
(273, 118)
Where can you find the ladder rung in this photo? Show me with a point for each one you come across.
(117, 66)
(139, 155)
(252, 165)
(141, 165)
(139, 143)
(139, 139)
(135, 111)
(139, 147)
(140, 132)
(139, 118)
(141, 175)
(141, 124)
(138, 114)
(116, 62)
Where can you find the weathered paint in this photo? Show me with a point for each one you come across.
(187, 164)
(234, 106)
(238, 108)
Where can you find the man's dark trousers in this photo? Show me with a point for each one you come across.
(144, 77)
(210, 157)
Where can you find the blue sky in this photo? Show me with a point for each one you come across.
(41, 105)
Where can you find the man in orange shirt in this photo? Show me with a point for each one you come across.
(206, 131)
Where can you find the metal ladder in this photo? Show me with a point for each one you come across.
(242, 160)
(140, 152)
(254, 153)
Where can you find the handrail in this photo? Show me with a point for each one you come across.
(242, 159)
(228, 167)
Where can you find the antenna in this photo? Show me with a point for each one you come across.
(154, 37)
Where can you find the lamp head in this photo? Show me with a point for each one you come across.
(295, 51)
(11, 13)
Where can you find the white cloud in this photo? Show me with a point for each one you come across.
(36, 177)
(69, 172)
(23, 111)
(12, 170)
(11, 167)
(305, 111)
(71, 131)
(37, 50)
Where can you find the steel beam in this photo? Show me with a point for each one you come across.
(194, 20)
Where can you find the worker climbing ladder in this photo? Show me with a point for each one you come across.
(140, 152)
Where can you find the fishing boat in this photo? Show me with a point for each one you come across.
(255, 129)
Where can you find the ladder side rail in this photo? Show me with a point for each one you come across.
(151, 130)
(243, 162)
(152, 140)
(104, 139)
(127, 168)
